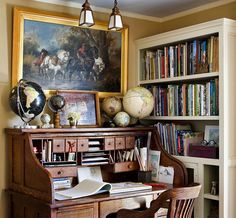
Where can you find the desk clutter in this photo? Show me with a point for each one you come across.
(90, 182)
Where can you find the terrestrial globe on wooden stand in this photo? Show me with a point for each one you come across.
(27, 100)
(55, 104)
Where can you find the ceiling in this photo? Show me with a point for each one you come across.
(147, 8)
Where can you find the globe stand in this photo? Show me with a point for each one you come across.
(27, 126)
(57, 120)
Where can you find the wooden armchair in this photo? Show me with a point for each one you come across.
(179, 200)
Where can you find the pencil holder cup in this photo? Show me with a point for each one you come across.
(144, 176)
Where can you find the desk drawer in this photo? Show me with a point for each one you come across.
(80, 211)
(125, 166)
(108, 207)
(58, 145)
(121, 167)
(109, 144)
(120, 143)
(71, 145)
(130, 142)
(83, 145)
(62, 171)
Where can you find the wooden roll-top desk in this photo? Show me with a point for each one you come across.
(31, 170)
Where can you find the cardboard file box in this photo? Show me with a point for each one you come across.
(197, 150)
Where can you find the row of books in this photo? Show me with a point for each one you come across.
(197, 56)
(187, 99)
(176, 138)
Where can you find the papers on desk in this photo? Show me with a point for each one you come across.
(92, 173)
(91, 183)
(128, 187)
(85, 188)
(91, 187)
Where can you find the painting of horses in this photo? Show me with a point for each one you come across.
(59, 55)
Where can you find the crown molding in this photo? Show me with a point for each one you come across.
(195, 10)
(139, 16)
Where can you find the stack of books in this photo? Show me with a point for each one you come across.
(61, 183)
(94, 158)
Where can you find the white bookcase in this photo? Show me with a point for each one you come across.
(206, 170)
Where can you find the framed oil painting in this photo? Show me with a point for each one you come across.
(80, 105)
(53, 51)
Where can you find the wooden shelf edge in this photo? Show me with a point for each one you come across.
(181, 78)
(211, 197)
(181, 118)
(199, 160)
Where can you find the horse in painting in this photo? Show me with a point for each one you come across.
(87, 65)
(52, 66)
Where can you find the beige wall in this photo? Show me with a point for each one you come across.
(227, 11)
(137, 29)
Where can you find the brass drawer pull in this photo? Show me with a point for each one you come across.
(60, 172)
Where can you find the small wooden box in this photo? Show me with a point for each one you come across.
(197, 150)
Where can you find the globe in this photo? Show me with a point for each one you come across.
(138, 102)
(56, 103)
(122, 119)
(27, 100)
(111, 105)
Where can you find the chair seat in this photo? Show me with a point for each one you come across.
(180, 201)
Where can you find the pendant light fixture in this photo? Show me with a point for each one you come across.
(115, 21)
(86, 15)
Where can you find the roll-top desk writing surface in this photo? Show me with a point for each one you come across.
(31, 174)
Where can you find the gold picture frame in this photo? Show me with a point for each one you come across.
(84, 103)
(51, 50)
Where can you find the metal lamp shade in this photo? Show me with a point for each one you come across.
(86, 16)
(115, 22)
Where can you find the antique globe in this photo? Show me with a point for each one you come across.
(122, 119)
(138, 102)
(27, 100)
(56, 103)
(111, 105)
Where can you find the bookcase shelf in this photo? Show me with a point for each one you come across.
(186, 159)
(194, 77)
(182, 118)
(181, 61)
(211, 197)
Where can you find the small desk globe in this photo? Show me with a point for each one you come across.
(111, 105)
(55, 104)
(138, 102)
(122, 119)
(27, 100)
